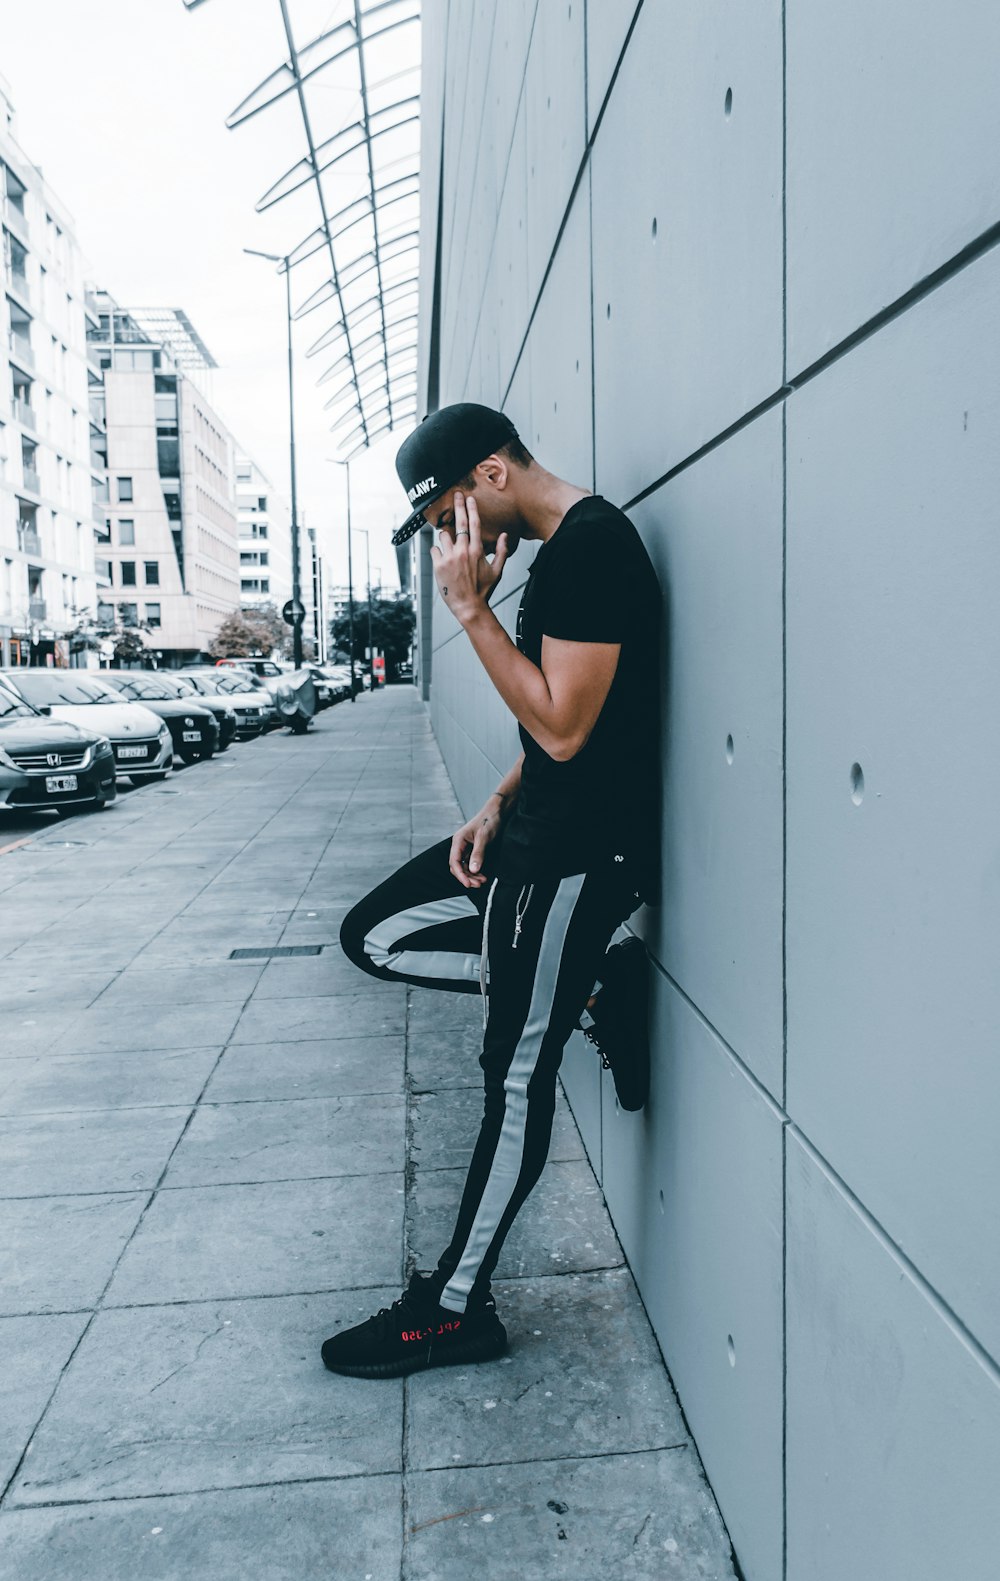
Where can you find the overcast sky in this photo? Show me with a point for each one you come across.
(123, 104)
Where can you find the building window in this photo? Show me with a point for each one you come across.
(265, 585)
(152, 614)
(128, 573)
(152, 572)
(126, 530)
(125, 491)
(262, 502)
(128, 614)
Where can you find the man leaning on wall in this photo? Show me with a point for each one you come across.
(526, 902)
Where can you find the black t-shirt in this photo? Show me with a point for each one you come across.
(593, 581)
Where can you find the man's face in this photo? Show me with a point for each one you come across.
(496, 513)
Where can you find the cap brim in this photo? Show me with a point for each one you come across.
(415, 520)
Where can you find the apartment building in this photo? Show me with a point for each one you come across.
(265, 528)
(51, 480)
(171, 545)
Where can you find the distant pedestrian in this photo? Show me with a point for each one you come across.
(523, 902)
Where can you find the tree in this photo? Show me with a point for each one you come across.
(248, 632)
(393, 623)
(129, 646)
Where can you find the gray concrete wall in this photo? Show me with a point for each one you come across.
(736, 268)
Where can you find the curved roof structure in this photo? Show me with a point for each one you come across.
(355, 88)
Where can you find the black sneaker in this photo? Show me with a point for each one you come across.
(620, 1015)
(414, 1333)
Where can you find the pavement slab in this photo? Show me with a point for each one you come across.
(274, 1237)
(641, 1517)
(57, 1253)
(208, 1165)
(367, 1013)
(344, 1530)
(300, 1138)
(92, 1150)
(312, 1068)
(35, 1352)
(63, 1082)
(183, 1399)
(583, 1375)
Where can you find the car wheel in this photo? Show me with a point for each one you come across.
(204, 754)
(299, 726)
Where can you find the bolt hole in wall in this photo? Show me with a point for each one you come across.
(857, 784)
(729, 101)
(731, 1348)
(729, 749)
(663, 1204)
(654, 227)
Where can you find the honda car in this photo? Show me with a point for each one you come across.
(141, 741)
(46, 762)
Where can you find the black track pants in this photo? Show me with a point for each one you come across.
(537, 948)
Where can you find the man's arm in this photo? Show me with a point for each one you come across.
(506, 791)
(558, 704)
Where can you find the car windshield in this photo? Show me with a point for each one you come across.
(11, 707)
(64, 686)
(197, 683)
(141, 690)
(244, 682)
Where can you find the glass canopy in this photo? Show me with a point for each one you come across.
(353, 91)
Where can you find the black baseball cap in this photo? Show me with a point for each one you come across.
(446, 446)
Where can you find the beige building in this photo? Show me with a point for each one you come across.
(48, 488)
(173, 538)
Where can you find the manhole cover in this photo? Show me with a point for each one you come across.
(275, 950)
(61, 845)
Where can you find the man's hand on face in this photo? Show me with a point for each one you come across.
(465, 577)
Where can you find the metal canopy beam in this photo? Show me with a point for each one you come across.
(365, 173)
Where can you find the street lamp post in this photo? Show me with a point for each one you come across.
(350, 568)
(371, 646)
(283, 262)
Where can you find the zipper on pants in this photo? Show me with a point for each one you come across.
(523, 901)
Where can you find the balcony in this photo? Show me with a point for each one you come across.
(36, 608)
(25, 415)
(29, 542)
(31, 479)
(15, 221)
(21, 352)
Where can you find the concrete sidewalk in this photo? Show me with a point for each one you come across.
(206, 1164)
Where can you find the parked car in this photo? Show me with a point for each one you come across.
(337, 677)
(252, 708)
(283, 682)
(46, 762)
(326, 694)
(139, 687)
(142, 743)
(192, 726)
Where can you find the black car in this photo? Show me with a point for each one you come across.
(190, 722)
(249, 715)
(219, 707)
(46, 762)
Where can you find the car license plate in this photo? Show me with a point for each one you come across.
(192, 735)
(131, 752)
(60, 782)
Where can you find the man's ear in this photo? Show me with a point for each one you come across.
(494, 470)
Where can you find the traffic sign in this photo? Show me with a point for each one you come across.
(293, 612)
